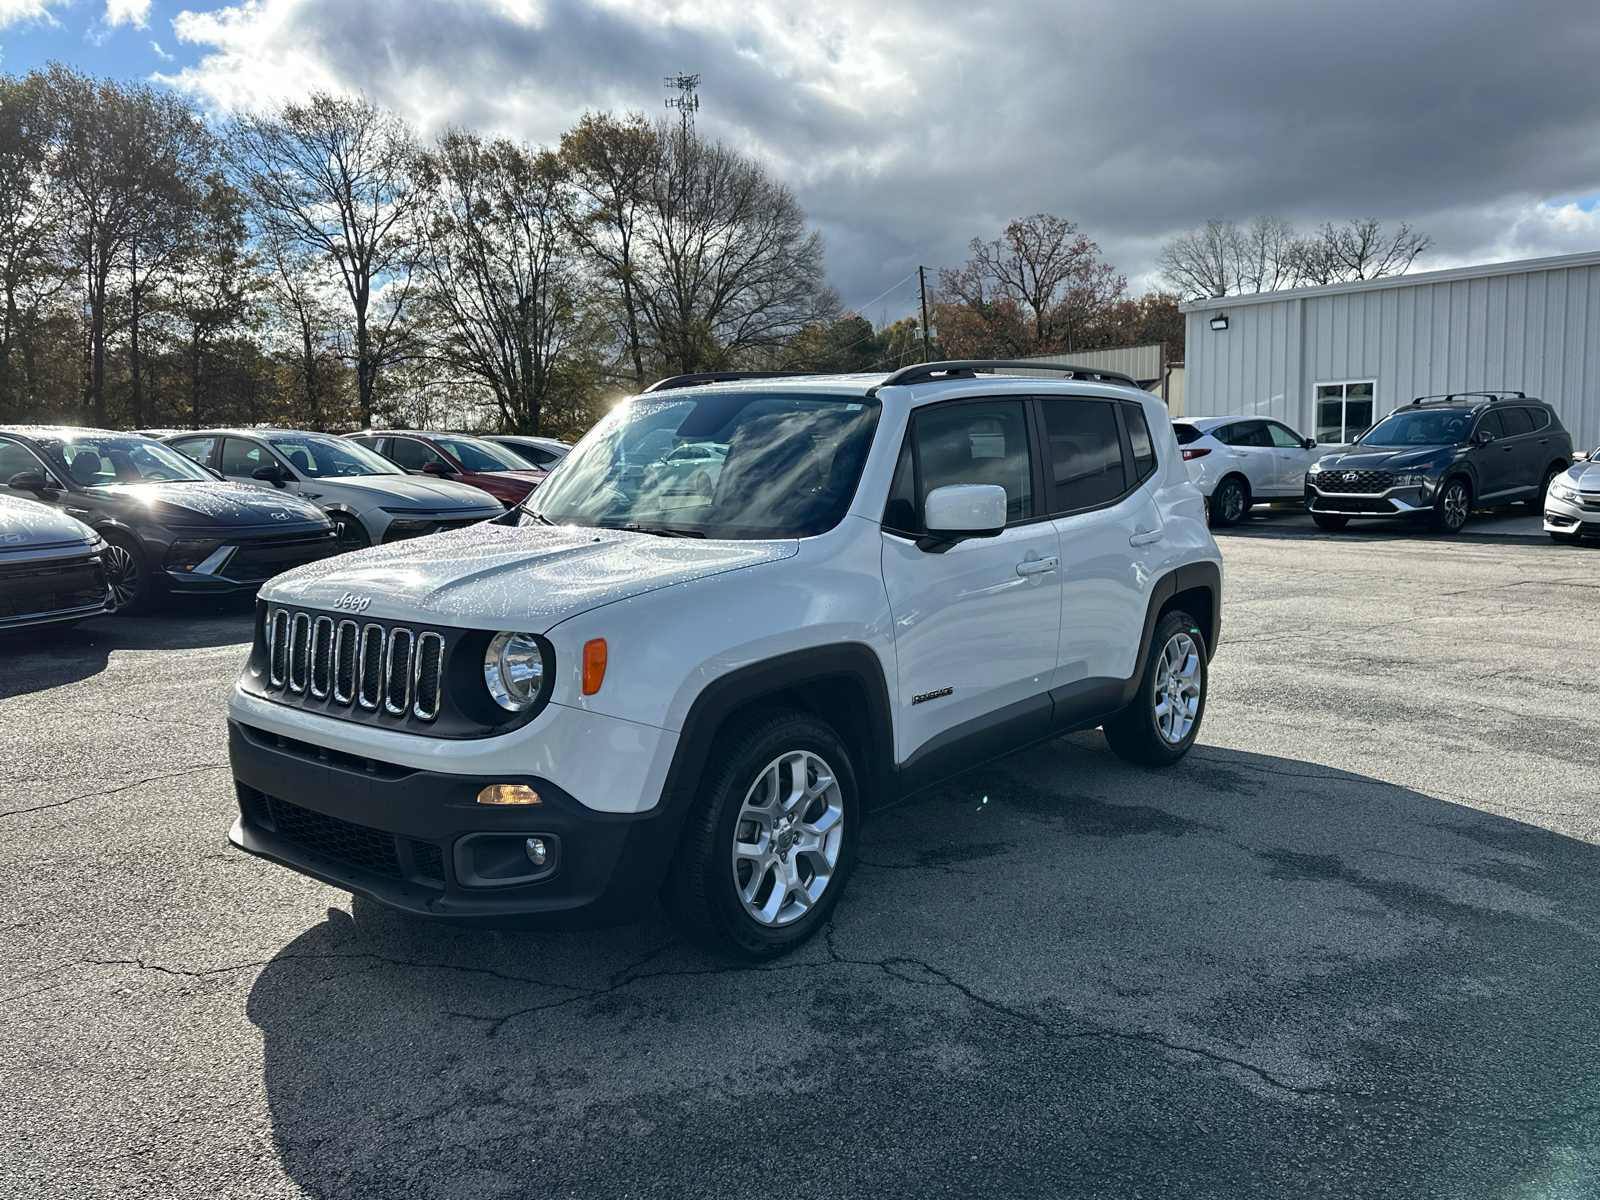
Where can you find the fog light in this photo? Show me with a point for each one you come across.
(508, 793)
(537, 852)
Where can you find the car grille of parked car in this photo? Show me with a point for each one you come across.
(38, 588)
(380, 668)
(262, 558)
(356, 845)
(1366, 482)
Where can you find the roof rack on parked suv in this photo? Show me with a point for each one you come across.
(1453, 397)
(695, 380)
(968, 368)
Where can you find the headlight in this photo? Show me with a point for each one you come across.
(1561, 490)
(515, 670)
(1413, 479)
(186, 554)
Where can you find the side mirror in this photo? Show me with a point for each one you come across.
(1482, 438)
(28, 481)
(437, 468)
(960, 511)
(1308, 443)
(268, 474)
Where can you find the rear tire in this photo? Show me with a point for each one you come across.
(1329, 520)
(778, 811)
(129, 573)
(1536, 502)
(1158, 728)
(1230, 503)
(1451, 509)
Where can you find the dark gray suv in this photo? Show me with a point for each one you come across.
(1440, 457)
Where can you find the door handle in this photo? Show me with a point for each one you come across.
(1145, 536)
(1036, 566)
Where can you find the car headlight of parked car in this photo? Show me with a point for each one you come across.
(1410, 479)
(518, 669)
(1561, 490)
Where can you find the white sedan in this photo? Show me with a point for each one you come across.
(1235, 461)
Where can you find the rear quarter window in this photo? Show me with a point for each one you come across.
(1186, 433)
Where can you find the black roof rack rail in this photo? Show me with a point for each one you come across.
(968, 368)
(695, 380)
(1452, 397)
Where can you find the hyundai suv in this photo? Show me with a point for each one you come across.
(1439, 458)
(628, 688)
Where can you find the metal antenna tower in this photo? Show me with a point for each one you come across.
(686, 102)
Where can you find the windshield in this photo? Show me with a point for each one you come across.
(729, 465)
(330, 458)
(97, 459)
(1420, 427)
(481, 456)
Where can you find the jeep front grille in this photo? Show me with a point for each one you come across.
(394, 670)
(1361, 482)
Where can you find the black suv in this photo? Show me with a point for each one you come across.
(1440, 457)
(169, 523)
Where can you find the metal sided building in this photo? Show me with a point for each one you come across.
(1330, 361)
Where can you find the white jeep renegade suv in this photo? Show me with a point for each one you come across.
(645, 682)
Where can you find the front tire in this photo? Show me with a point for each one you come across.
(1230, 503)
(771, 840)
(1329, 520)
(1158, 728)
(129, 574)
(1451, 509)
(1536, 502)
(352, 533)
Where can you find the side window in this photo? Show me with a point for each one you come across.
(900, 513)
(1490, 423)
(1144, 450)
(1186, 434)
(240, 458)
(981, 442)
(1283, 437)
(1249, 433)
(1516, 421)
(1085, 457)
(198, 449)
(411, 454)
(1539, 417)
(17, 459)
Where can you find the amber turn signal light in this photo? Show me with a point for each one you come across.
(508, 793)
(594, 665)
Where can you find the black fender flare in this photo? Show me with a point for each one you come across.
(1199, 576)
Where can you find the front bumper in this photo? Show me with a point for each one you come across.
(1395, 502)
(1571, 516)
(400, 836)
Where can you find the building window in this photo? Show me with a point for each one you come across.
(1344, 410)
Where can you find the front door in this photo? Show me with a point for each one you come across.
(1250, 447)
(976, 625)
(1497, 461)
(1294, 460)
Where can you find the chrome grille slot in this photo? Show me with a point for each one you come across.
(299, 651)
(430, 657)
(397, 672)
(346, 651)
(371, 688)
(321, 657)
(278, 647)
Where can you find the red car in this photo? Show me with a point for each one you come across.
(456, 456)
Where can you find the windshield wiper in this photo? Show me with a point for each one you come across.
(660, 530)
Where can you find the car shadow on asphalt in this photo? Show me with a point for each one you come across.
(36, 659)
(1055, 975)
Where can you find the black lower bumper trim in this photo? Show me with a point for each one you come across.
(389, 835)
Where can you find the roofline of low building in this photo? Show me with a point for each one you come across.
(1560, 262)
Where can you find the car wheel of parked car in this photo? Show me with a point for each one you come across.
(771, 839)
(1230, 502)
(129, 574)
(1330, 520)
(1163, 721)
(1535, 502)
(352, 533)
(1451, 509)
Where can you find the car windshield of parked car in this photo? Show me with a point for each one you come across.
(481, 456)
(330, 458)
(94, 460)
(1420, 427)
(727, 465)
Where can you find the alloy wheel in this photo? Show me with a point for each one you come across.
(351, 536)
(122, 574)
(787, 838)
(1177, 688)
(1231, 503)
(1455, 505)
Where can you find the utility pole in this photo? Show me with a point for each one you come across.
(686, 102)
(927, 334)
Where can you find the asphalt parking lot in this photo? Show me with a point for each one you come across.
(1347, 948)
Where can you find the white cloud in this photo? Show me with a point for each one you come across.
(910, 126)
(13, 12)
(128, 12)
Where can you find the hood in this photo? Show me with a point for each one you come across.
(503, 576)
(27, 525)
(1585, 476)
(1389, 458)
(229, 505)
(413, 491)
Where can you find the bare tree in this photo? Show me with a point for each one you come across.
(502, 273)
(334, 177)
(1266, 255)
(729, 267)
(1203, 262)
(1359, 250)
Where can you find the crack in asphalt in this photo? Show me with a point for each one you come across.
(194, 770)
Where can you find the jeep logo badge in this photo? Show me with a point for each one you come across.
(350, 602)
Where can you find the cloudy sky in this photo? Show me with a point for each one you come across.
(909, 128)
